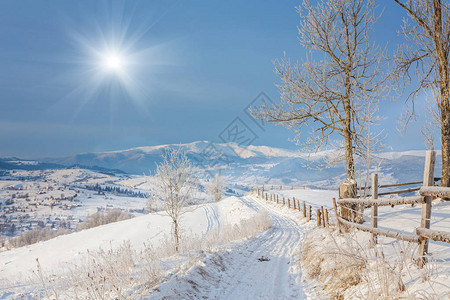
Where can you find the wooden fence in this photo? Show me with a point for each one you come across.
(275, 187)
(422, 234)
(321, 213)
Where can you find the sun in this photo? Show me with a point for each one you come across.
(113, 62)
(116, 59)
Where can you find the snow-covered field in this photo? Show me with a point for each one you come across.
(264, 267)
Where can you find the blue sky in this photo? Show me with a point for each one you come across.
(195, 66)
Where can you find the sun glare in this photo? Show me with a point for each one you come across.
(113, 62)
(116, 61)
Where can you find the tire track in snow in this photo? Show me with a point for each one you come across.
(216, 218)
(212, 219)
(208, 219)
(278, 246)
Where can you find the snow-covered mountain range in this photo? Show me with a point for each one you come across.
(254, 164)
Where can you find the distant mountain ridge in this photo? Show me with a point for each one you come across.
(14, 163)
(244, 165)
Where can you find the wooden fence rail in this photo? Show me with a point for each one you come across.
(396, 185)
(402, 184)
(436, 191)
(384, 232)
(383, 202)
(435, 235)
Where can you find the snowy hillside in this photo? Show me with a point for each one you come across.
(59, 255)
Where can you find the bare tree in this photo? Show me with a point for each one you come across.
(330, 96)
(431, 127)
(370, 143)
(175, 187)
(217, 187)
(426, 55)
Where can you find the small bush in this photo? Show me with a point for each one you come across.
(34, 236)
(104, 217)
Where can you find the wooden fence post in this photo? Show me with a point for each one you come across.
(323, 215)
(293, 200)
(325, 220)
(304, 209)
(277, 199)
(319, 218)
(284, 201)
(374, 213)
(428, 180)
(337, 215)
(309, 213)
(289, 203)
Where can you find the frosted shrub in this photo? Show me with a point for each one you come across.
(34, 236)
(216, 187)
(104, 217)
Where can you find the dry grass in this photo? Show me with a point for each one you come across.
(34, 236)
(104, 217)
(347, 269)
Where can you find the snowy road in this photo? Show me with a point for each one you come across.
(243, 272)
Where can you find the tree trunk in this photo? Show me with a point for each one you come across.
(348, 188)
(175, 235)
(442, 56)
(348, 135)
(348, 138)
(350, 166)
(445, 136)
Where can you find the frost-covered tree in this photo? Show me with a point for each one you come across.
(174, 184)
(426, 57)
(329, 95)
(216, 187)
